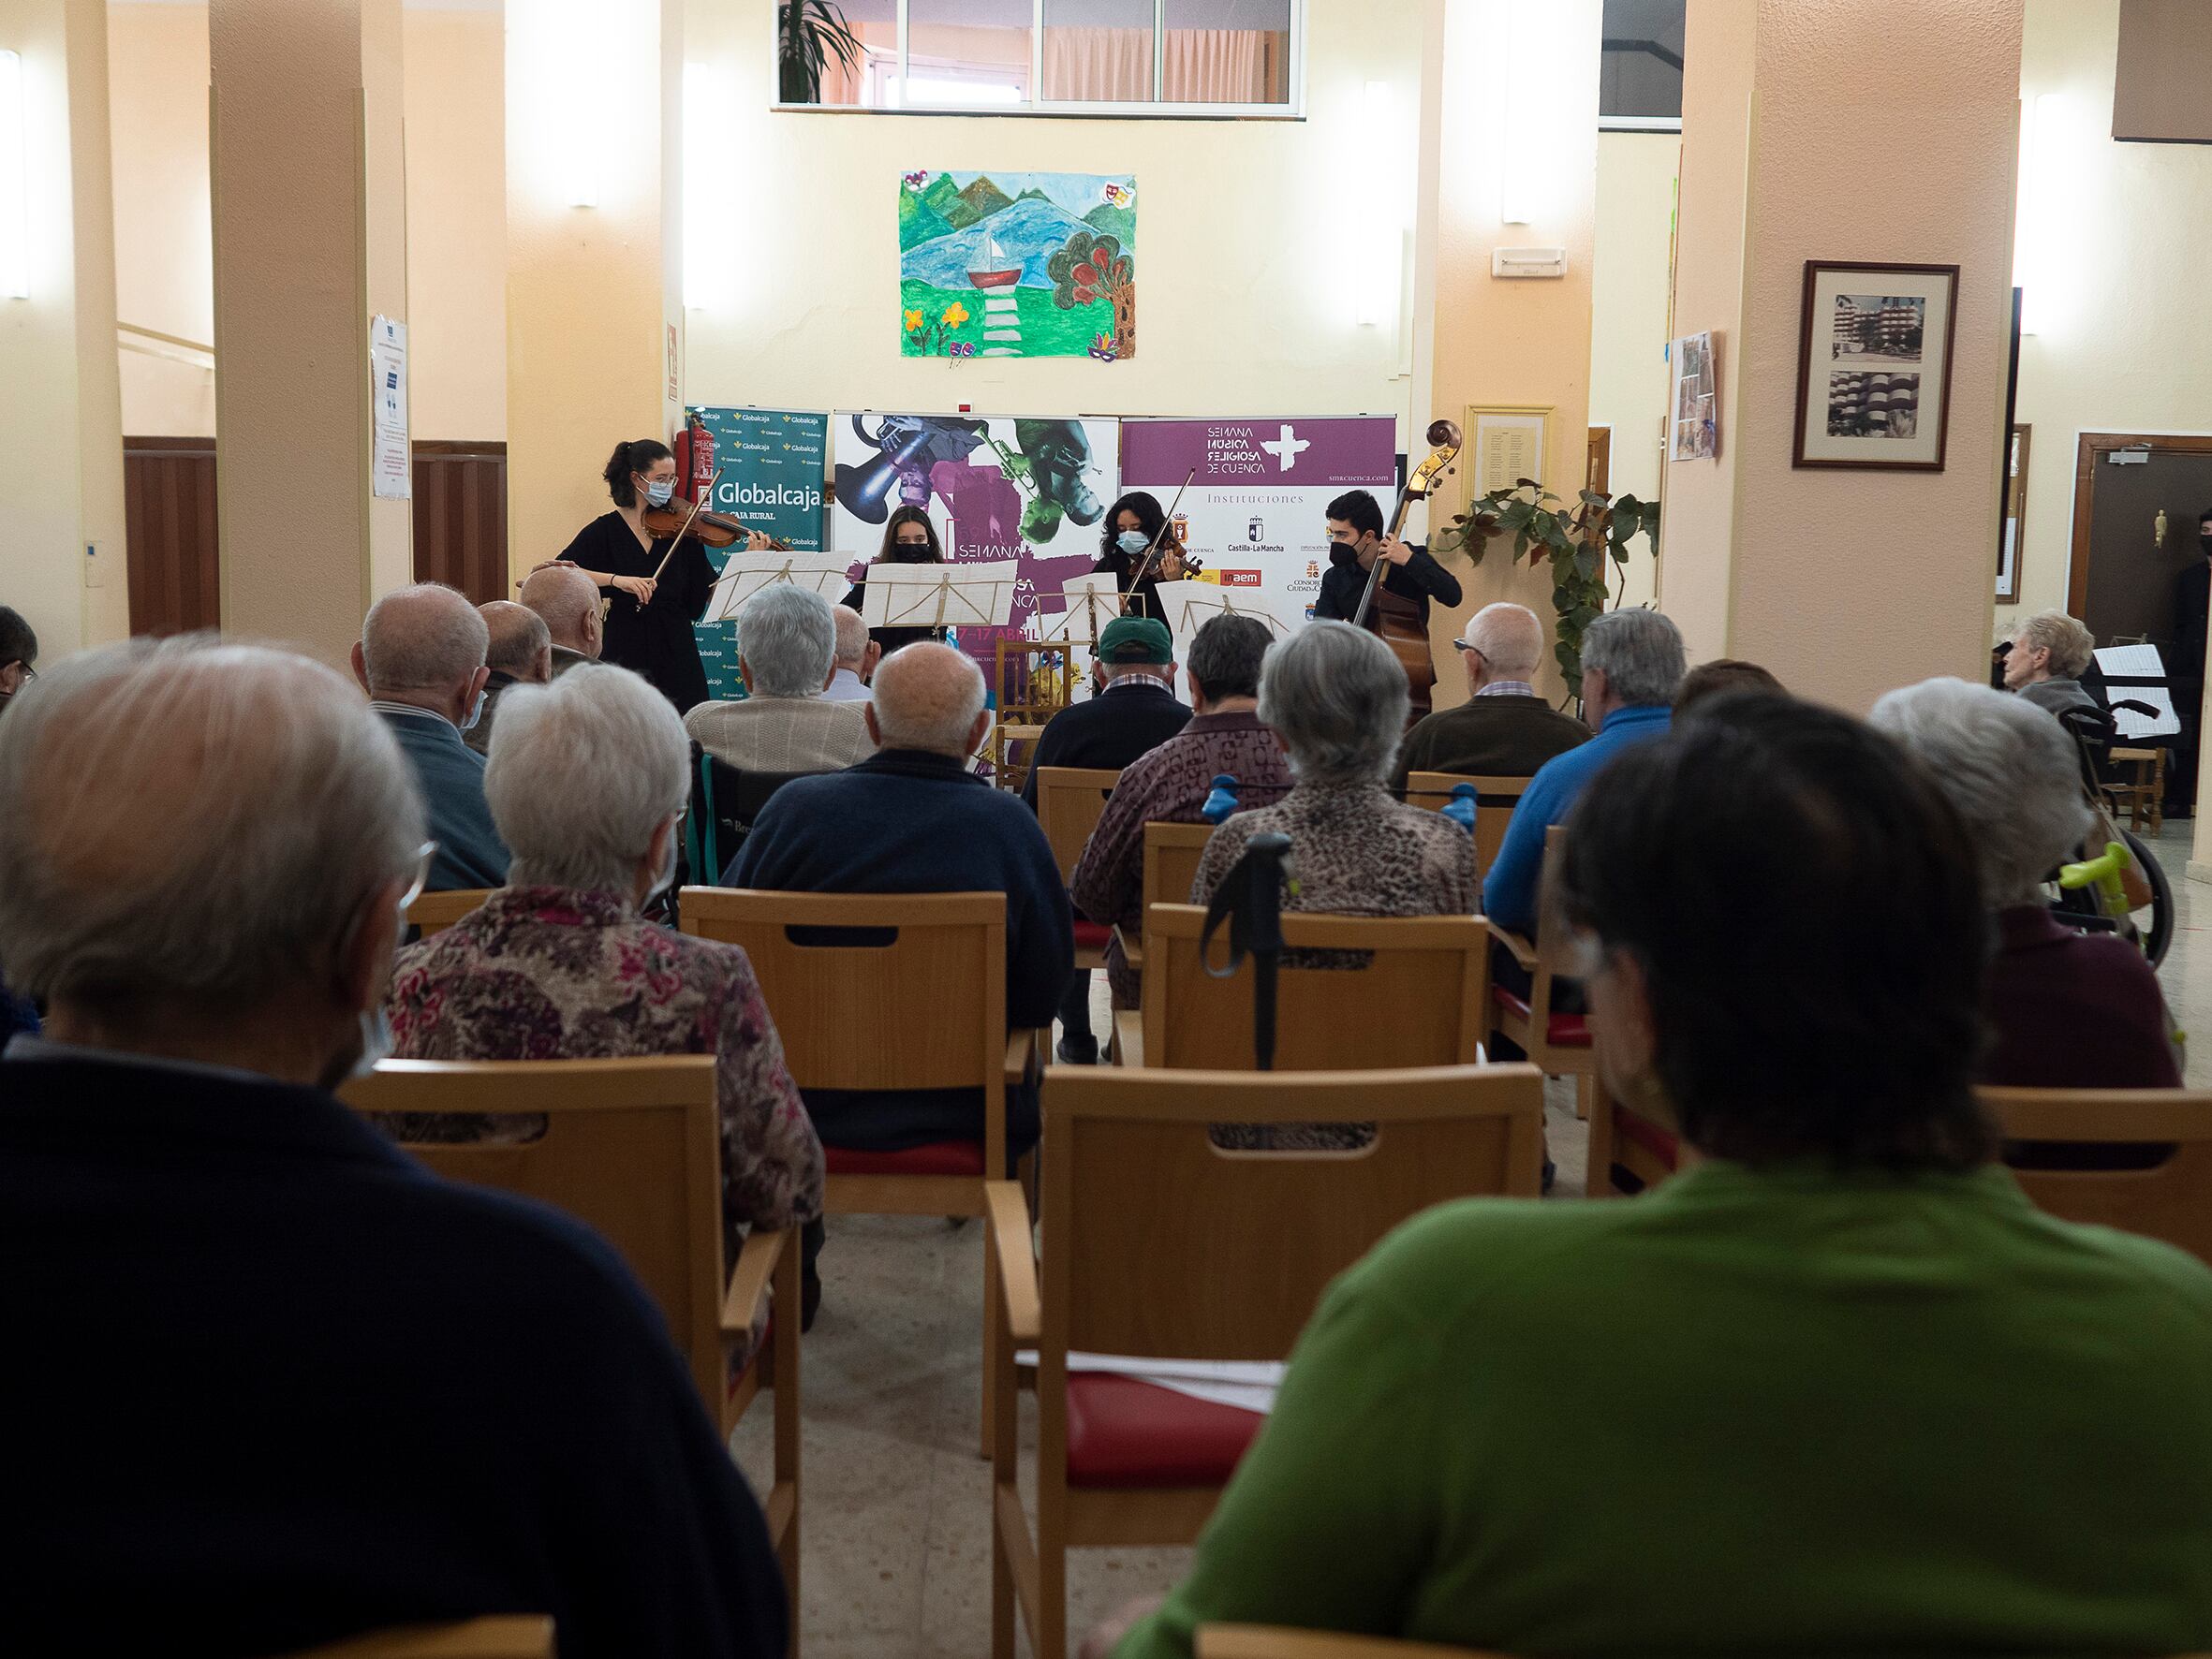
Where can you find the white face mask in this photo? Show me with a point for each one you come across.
(1132, 541)
(376, 1042)
(660, 491)
(476, 712)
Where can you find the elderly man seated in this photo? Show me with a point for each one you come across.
(421, 658)
(2049, 654)
(787, 650)
(1504, 729)
(2069, 1010)
(857, 657)
(519, 652)
(587, 784)
(567, 602)
(385, 1399)
(912, 818)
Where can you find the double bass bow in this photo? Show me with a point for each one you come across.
(1398, 621)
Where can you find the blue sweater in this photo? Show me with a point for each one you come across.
(451, 775)
(1510, 890)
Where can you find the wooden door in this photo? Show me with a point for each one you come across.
(461, 518)
(1598, 470)
(169, 515)
(2122, 582)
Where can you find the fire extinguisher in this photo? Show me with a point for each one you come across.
(694, 458)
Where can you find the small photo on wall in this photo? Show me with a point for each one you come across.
(1873, 365)
(1697, 403)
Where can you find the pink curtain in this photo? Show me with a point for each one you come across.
(1220, 66)
(1098, 66)
(841, 85)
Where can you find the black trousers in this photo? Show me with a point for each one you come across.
(1075, 1013)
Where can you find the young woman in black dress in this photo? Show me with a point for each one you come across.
(908, 539)
(648, 621)
(1131, 524)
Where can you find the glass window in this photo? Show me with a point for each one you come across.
(1640, 79)
(962, 52)
(1227, 51)
(1101, 52)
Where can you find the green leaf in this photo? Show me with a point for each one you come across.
(1520, 542)
(1620, 553)
(1586, 560)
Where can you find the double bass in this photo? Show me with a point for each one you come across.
(1397, 621)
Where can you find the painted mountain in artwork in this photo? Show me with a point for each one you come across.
(918, 221)
(1118, 223)
(1027, 233)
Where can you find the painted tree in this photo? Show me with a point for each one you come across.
(1091, 265)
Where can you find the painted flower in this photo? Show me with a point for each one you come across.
(955, 314)
(914, 319)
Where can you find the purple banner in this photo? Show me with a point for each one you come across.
(1333, 453)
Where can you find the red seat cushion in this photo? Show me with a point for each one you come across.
(940, 1157)
(1092, 935)
(1654, 1138)
(1562, 1031)
(1124, 1433)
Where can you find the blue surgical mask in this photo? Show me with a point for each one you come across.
(476, 712)
(1132, 541)
(658, 491)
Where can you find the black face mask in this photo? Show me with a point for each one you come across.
(1344, 554)
(909, 553)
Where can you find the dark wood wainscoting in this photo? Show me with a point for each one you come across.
(169, 487)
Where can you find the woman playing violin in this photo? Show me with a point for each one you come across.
(1131, 530)
(649, 616)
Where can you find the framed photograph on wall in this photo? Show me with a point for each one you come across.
(1507, 443)
(1696, 403)
(1873, 365)
(2015, 523)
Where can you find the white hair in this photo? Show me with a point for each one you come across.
(2072, 645)
(1508, 637)
(787, 636)
(852, 636)
(192, 822)
(927, 697)
(1640, 654)
(580, 773)
(2009, 767)
(1337, 699)
(424, 637)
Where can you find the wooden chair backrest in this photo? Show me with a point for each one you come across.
(509, 1636)
(1269, 1641)
(631, 1148)
(1069, 800)
(1172, 855)
(434, 913)
(1422, 999)
(1495, 801)
(915, 1002)
(2170, 1200)
(1159, 1243)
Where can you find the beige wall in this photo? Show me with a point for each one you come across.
(2114, 241)
(456, 210)
(1244, 290)
(1629, 293)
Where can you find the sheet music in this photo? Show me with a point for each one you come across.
(1092, 602)
(975, 595)
(748, 574)
(2130, 662)
(1188, 606)
(2131, 726)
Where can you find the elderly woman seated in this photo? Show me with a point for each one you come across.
(2069, 1009)
(2050, 653)
(1836, 1389)
(587, 780)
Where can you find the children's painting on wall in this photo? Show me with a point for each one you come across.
(1018, 265)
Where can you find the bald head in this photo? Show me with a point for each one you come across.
(565, 599)
(518, 642)
(852, 638)
(288, 809)
(423, 646)
(928, 697)
(1509, 641)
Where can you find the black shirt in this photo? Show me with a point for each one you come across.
(657, 642)
(1420, 579)
(1130, 719)
(1144, 597)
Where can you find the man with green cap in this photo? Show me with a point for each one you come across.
(1135, 710)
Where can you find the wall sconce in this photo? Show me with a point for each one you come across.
(15, 181)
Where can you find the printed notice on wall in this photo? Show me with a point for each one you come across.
(389, 473)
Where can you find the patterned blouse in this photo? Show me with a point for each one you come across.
(548, 973)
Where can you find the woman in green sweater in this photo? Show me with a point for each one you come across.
(1837, 1390)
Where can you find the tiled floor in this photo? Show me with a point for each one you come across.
(897, 1521)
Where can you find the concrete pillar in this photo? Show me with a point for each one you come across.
(308, 170)
(1509, 123)
(595, 309)
(1864, 130)
(61, 420)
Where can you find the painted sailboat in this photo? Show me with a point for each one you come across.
(996, 273)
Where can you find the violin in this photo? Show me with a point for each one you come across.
(1398, 621)
(680, 519)
(1166, 545)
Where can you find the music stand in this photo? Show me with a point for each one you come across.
(2136, 671)
(1188, 606)
(748, 575)
(976, 595)
(1092, 602)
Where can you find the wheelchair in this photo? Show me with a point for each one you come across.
(2084, 901)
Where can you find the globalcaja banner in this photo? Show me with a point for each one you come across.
(770, 465)
(1254, 513)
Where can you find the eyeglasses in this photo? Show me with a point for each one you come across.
(1476, 650)
(425, 856)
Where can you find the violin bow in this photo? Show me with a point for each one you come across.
(1159, 536)
(705, 496)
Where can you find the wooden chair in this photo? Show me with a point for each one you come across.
(633, 1148)
(1033, 682)
(2142, 794)
(1171, 856)
(1159, 1244)
(1495, 801)
(434, 913)
(1422, 999)
(505, 1636)
(922, 1009)
(1069, 802)
(1270, 1641)
(2169, 1200)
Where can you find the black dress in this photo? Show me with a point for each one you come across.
(890, 638)
(1144, 597)
(655, 641)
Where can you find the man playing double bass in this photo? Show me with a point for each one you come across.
(1413, 578)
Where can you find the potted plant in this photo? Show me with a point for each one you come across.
(809, 33)
(1577, 539)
